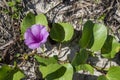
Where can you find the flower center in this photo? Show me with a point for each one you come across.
(38, 39)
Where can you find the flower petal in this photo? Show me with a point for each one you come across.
(35, 36)
(29, 38)
(26, 34)
(36, 30)
(34, 45)
(44, 34)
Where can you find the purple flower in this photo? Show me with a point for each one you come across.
(35, 36)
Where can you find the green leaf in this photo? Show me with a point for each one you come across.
(57, 72)
(110, 48)
(8, 73)
(85, 67)
(102, 77)
(5, 73)
(18, 75)
(11, 3)
(80, 58)
(93, 35)
(64, 73)
(31, 19)
(102, 17)
(68, 75)
(61, 32)
(41, 19)
(46, 61)
(27, 22)
(18, 1)
(86, 34)
(113, 73)
(99, 36)
(46, 70)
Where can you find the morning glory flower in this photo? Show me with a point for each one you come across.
(35, 36)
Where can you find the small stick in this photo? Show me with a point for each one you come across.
(7, 44)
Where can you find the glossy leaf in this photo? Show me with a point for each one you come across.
(11, 3)
(102, 17)
(8, 73)
(64, 73)
(41, 19)
(68, 73)
(80, 58)
(18, 1)
(61, 32)
(31, 19)
(93, 36)
(27, 22)
(85, 67)
(113, 73)
(46, 70)
(5, 73)
(86, 34)
(110, 48)
(57, 72)
(46, 61)
(102, 77)
(18, 75)
(99, 36)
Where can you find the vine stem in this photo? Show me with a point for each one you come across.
(101, 69)
(24, 57)
(32, 53)
(59, 49)
(43, 51)
(110, 62)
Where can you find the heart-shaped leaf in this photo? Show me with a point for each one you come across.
(27, 22)
(68, 75)
(61, 32)
(80, 58)
(85, 67)
(31, 19)
(41, 19)
(93, 36)
(5, 73)
(18, 75)
(113, 73)
(46, 70)
(9, 73)
(46, 61)
(110, 48)
(57, 72)
(64, 73)
(99, 36)
(86, 34)
(102, 77)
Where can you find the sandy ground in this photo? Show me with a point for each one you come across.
(76, 12)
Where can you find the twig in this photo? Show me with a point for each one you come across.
(6, 4)
(64, 54)
(53, 7)
(72, 9)
(104, 71)
(7, 44)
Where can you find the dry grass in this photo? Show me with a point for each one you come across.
(75, 12)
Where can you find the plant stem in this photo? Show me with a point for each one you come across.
(59, 49)
(32, 53)
(104, 71)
